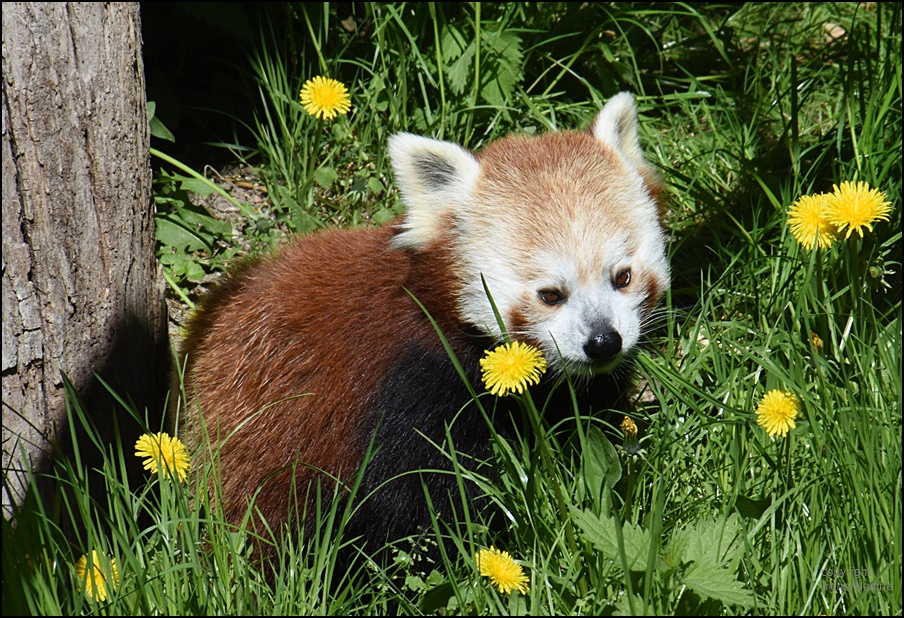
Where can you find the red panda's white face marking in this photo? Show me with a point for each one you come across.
(563, 228)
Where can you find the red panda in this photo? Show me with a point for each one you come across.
(302, 360)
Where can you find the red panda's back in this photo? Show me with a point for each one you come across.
(285, 360)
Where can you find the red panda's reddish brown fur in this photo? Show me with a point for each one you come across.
(285, 331)
(299, 362)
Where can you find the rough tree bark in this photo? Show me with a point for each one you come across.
(82, 291)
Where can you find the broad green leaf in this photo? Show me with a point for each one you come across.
(383, 216)
(716, 541)
(197, 218)
(325, 176)
(194, 271)
(453, 43)
(750, 508)
(438, 598)
(460, 72)
(159, 130)
(601, 533)
(183, 266)
(623, 606)
(176, 234)
(374, 184)
(419, 118)
(600, 463)
(637, 547)
(714, 582)
(415, 583)
(196, 185)
(504, 73)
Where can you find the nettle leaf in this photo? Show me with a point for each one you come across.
(719, 583)
(498, 83)
(637, 546)
(500, 65)
(601, 533)
(716, 541)
(458, 58)
(453, 43)
(460, 71)
(711, 549)
(622, 606)
(419, 118)
(673, 554)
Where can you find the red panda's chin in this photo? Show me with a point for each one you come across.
(607, 366)
(587, 369)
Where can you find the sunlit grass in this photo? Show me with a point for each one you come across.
(745, 108)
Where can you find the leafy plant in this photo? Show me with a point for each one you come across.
(744, 108)
(696, 567)
(192, 242)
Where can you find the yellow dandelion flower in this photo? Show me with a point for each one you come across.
(817, 341)
(809, 223)
(511, 367)
(777, 411)
(503, 571)
(95, 578)
(324, 98)
(161, 448)
(629, 427)
(855, 206)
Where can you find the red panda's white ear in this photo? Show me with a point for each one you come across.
(616, 126)
(434, 178)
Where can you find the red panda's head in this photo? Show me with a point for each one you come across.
(564, 228)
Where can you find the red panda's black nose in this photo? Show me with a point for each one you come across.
(603, 345)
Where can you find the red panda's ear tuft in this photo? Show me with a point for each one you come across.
(616, 127)
(435, 178)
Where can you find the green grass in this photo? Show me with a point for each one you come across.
(745, 109)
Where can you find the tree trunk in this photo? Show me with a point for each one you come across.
(82, 290)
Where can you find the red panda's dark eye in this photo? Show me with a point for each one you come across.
(552, 297)
(623, 278)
